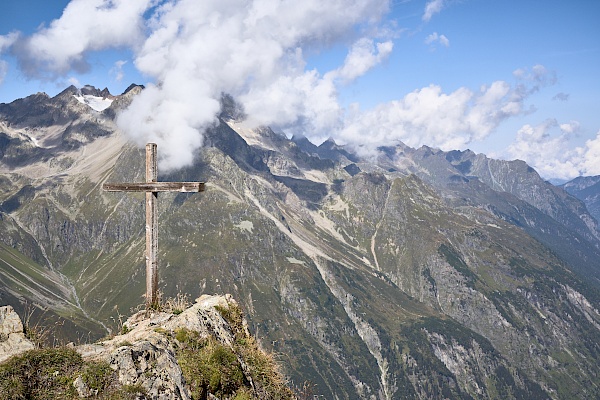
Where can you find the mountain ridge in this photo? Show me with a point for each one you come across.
(376, 279)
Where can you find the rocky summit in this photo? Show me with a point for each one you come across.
(412, 274)
(203, 351)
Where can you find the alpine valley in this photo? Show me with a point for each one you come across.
(416, 274)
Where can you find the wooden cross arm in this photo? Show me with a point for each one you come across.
(155, 187)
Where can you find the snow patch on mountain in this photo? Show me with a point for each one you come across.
(95, 102)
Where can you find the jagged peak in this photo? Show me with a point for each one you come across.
(72, 90)
(231, 109)
(329, 144)
(138, 88)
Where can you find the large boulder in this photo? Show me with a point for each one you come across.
(12, 336)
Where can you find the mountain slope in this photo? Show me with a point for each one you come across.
(415, 276)
(586, 189)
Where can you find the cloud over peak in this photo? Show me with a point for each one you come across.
(544, 146)
(256, 51)
(253, 50)
(194, 51)
(430, 116)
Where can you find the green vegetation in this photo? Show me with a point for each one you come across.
(50, 374)
(241, 372)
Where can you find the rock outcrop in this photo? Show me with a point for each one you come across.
(144, 353)
(12, 336)
(148, 352)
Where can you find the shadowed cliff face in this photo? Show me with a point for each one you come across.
(421, 274)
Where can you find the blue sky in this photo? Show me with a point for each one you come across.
(512, 79)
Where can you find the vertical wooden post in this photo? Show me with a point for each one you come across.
(151, 187)
(151, 229)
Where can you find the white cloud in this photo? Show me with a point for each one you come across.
(444, 41)
(3, 70)
(196, 50)
(547, 147)
(590, 159)
(430, 117)
(85, 25)
(544, 147)
(5, 42)
(252, 50)
(74, 81)
(117, 70)
(363, 56)
(532, 80)
(561, 96)
(435, 38)
(433, 7)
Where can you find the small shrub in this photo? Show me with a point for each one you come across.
(98, 376)
(210, 367)
(234, 316)
(49, 374)
(39, 374)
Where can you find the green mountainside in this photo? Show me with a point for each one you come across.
(422, 274)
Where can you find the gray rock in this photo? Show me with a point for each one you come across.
(152, 365)
(12, 337)
(82, 388)
(144, 356)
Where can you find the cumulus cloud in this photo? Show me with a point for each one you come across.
(546, 147)
(543, 147)
(363, 56)
(5, 42)
(74, 81)
(533, 79)
(433, 7)
(255, 51)
(590, 161)
(194, 51)
(435, 38)
(85, 25)
(3, 70)
(429, 116)
(252, 50)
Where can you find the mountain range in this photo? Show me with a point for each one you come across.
(416, 273)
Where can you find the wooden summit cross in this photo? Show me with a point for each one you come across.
(152, 187)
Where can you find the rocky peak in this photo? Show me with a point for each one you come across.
(93, 91)
(204, 351)
(70, 91)
(137, 87)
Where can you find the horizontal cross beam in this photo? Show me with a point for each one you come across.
(155, 187)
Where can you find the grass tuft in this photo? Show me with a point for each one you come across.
(49, 373)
